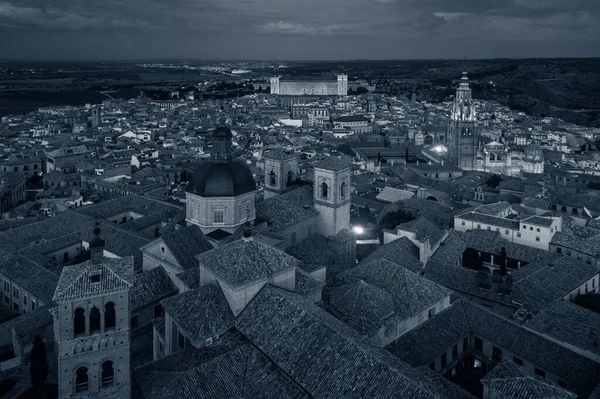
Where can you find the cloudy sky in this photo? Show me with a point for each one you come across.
(298, 29)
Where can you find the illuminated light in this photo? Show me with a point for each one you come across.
(358, 230)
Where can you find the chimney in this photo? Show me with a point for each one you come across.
(97, 246)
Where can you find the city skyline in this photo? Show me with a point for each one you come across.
(269, 29)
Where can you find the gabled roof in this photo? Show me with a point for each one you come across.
(402, 252)
(362, 305)
(215, 373)
(422, 344)
(149, 287)
(243, 261)
(515, 382)
(323, 355)
(185, 244)
(287, 209)
(116, 275)
(411, 293)
(569, 323)
(423, 228)
(202, 313)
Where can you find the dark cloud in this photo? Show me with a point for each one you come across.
(299, 29)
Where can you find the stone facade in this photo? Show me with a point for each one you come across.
(93, 350)
(225, 213)
(338, 87)
(279, 174)
(332, 200)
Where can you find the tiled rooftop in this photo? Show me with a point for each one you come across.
(241, 262)
(202, 313)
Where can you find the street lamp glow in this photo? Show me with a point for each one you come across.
(358, 230)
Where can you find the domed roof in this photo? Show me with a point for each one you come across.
(216, 178)
(222, 175)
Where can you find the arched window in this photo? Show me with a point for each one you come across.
(81, 379)
(108, 374)
(499, 157)
(290, 178)
(343, 190)
(492, 157)
(272, 180)
(324, 190)
(110, 318)
(79, 321)
(94, 320)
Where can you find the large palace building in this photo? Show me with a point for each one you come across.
(299, 86)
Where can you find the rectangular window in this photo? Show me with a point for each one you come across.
(6, 286)
(32, 304)
(569, 252)
(518, 361)
(478, 226)
(531, 228)
(505, 231)
(432, 312)
(541, 373)
(24, 299)
(518, 234)
(524, 227)
(454, 352)
(558, 250)
(462, 223)
(16, 292)
(479, 344)
(444, 360)
(537, 239)
(497, 354)
(538, 229)
(219, 216)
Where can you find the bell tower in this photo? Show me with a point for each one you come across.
(331, 194)
(462, 129)
(92, 326)
(281, 171)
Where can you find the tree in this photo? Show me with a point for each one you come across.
(493, 181)
(393, 219)
(361, 90)
(502, 261)
(38, 369)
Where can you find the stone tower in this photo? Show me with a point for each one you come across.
(274, 82)
(332, 195)
(342, 85)
(462, 129)
(281, 171)
(96, 117)
(92, 326)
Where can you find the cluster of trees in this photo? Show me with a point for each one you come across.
(493, 181)
(359, 90)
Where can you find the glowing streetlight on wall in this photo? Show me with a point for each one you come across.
(358, 230)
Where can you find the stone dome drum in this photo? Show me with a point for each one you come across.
(222, 175)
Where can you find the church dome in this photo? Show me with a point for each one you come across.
(534, 153)
(222, 175)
